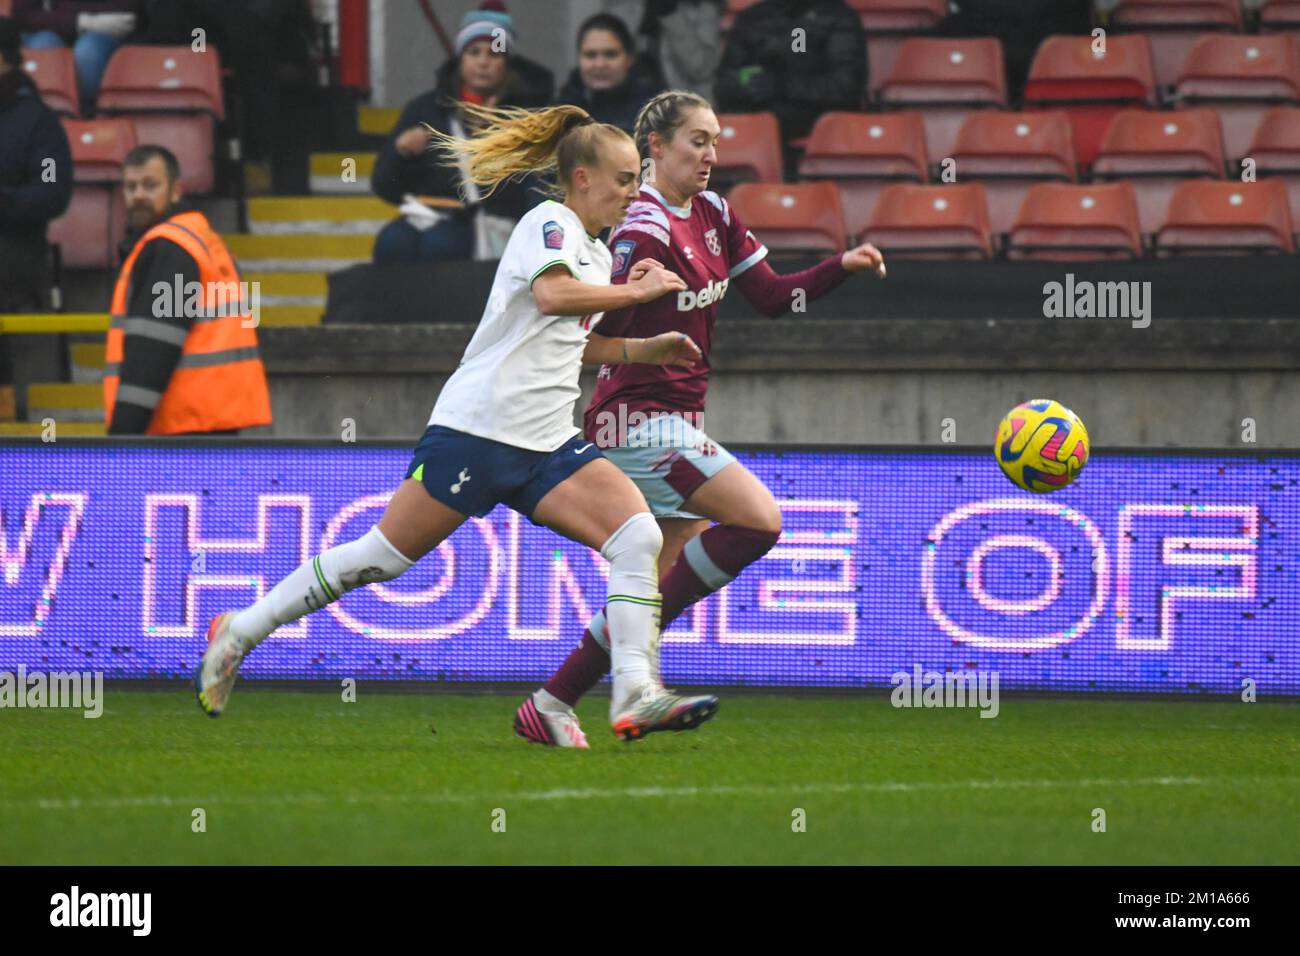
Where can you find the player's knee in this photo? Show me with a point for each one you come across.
(637, 540)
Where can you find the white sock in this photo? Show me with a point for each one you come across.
(548, 703)
(632, 606)
(320, 581)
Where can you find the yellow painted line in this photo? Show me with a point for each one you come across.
(53, 324)
(289, 283)
(277, 316)
(88, 354)
(65, 395)
(61, 429)
(319, 208)
(377, 120)
(301, 246)
(331, 164)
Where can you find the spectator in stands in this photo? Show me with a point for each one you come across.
(181, 356)
(486, 70)
(680, 41)
(35, 180)
(765, 67)
(606, 82)
(93, 28)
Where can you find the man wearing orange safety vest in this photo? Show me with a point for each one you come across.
(182, 354)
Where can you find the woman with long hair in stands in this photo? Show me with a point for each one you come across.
(647, 418)
(502, 428)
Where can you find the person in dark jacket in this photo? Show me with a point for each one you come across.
(606, 82)
(487, 71)
(35, 180)
(93, 28)
(767, 66)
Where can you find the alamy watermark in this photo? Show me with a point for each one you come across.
(1085, 299)
(70, 690)
(618, 426)
(208, 300)
(966, 688)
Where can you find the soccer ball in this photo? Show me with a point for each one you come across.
(1041, 445)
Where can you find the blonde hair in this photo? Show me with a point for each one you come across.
(513, 142)
(662, 114)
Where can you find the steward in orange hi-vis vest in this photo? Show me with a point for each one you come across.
(183, 293)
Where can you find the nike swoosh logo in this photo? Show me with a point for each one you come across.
(584, 262)
(579, 451)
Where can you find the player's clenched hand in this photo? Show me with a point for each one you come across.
(654, 282)
(865, 256)
(667, 348)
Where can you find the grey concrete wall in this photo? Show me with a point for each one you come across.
(1185, 383)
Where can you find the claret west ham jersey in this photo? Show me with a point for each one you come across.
(707, 246)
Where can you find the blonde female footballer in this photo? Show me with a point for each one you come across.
(502, 428)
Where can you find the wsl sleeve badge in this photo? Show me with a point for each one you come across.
(623, 250)
(1041, 445)
(553, 235)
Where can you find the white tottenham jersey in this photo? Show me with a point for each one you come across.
(518, 380)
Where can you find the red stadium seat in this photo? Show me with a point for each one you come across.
(1231, 218)
(1174, 26)
(1009, 153)
(749, 150)
(945, 80)
(95, 222)
(792, 217)
(863, 153)
(1241, 78)
(1275, 149)
(931, 222)
(174, 96)
(888, 24)
(1066, 223)
(1067, 73)
(1279, 15)
(6, 8)
(1156, 152)
(54, 71)
(733, 7)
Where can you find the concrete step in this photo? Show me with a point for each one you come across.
(61, 429)
(281, 315)
(377, 120)
(318, 214)
(347, 173)
(65, 402)
(304, 252)
(87, 361)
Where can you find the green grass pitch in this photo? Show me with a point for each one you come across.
(304, 778)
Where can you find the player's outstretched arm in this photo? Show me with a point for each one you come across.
(558, 293)
(667, 348)
(773, 294)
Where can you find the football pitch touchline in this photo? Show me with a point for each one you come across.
(621, 793)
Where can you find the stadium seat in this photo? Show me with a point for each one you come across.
(792, 217)
(1275, 149)
(95, 223)
(1231, 218)
(931, 222)
(888, 24)
(1279, 15)
(749, 150)
(732, 8)
(1173, 27)
(1091, 87)
(1009, 153)
(1241, 77)
(174, 96)
(54, 71)
(863, 153)
(6, 8)
(1067, 223)
(945, 80)
(1155, 152)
